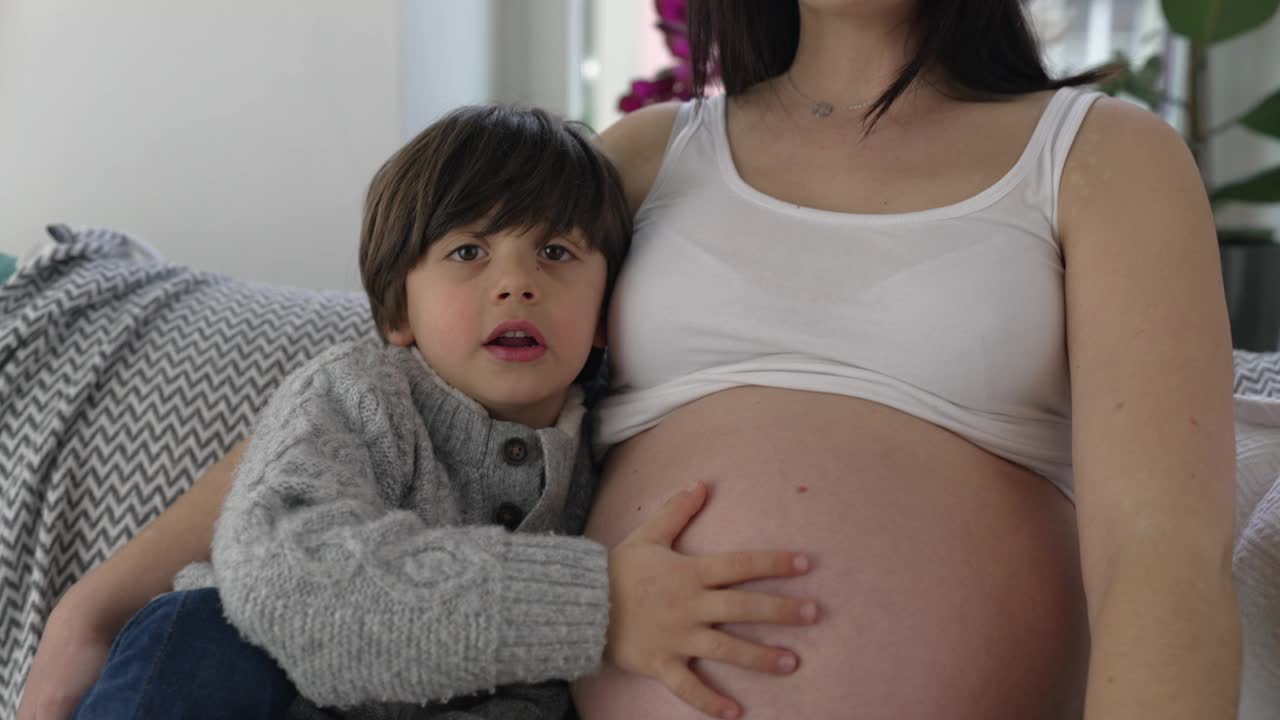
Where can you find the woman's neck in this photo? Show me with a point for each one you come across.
(851, 55)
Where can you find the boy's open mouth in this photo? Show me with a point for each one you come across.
(514, 339)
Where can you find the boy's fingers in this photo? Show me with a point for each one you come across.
(738, 567)
(671, 519)
(741, 606)
(682, 683)
(723, 647)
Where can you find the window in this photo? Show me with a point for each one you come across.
(622, 44)
(1081, 34)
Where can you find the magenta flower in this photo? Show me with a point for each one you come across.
(676, 11)
(673, 21)
(666, 86)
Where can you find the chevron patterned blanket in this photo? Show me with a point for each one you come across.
(123, 376)
(121, 379)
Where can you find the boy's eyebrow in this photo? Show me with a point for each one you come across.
(469, 235)
(575, 238)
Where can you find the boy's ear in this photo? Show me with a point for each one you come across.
(402, 336)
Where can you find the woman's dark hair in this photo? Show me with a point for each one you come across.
(513, 168)
(986, 47)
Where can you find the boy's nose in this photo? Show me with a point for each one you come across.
(516, 285)
(525, 295)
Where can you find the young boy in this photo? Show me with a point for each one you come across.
(366, 550)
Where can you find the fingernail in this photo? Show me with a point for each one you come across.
(801, 562)
(787, 663)
(730, 713)
(809, 611)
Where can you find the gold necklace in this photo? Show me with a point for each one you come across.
(822, 108)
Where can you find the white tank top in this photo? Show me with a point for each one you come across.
(954, 314)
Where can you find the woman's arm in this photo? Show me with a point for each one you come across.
(87, 618)
(1153, 444)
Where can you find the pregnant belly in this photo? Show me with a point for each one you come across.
(948, 578)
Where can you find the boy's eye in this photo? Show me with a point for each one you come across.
(557, 253)
(466, 253)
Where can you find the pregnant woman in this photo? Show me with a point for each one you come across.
(871, 320)
(953, 328)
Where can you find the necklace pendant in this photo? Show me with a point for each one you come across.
(821, 109)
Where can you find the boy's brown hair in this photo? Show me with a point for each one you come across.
(514, 168)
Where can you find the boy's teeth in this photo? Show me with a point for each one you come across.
(514, 333)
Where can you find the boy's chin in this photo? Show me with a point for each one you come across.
(523, 400)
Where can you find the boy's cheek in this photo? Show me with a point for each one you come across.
(455, 334)
(447, 324)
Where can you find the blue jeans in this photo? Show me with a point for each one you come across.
(179, 658)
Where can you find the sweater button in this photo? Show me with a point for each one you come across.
(515, 451)
(508, 516)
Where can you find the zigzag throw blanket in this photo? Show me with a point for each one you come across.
(120, 381)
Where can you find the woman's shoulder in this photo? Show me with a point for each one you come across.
(1117, 136)
(636, 143)
(1117, 125)
(1125, 159)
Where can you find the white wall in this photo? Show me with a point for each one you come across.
(446, 58)
(536, 49)
(627, 47)
(236, 135)
(239, 136)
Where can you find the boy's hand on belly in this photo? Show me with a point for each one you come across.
(665, 604)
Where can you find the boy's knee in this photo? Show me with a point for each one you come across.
(179, 606)
(179, 657)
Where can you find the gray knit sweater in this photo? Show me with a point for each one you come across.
(363, 546)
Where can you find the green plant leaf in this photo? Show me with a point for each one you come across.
(1261, 188)
(1140, 83)
(1117, 74)
(1209, 21)
(1145, 83)
(1265, 117)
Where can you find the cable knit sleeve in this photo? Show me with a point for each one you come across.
(360, 600)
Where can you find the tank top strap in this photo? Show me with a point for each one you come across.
(1064, 117)
(677, 160)
(688, 112)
